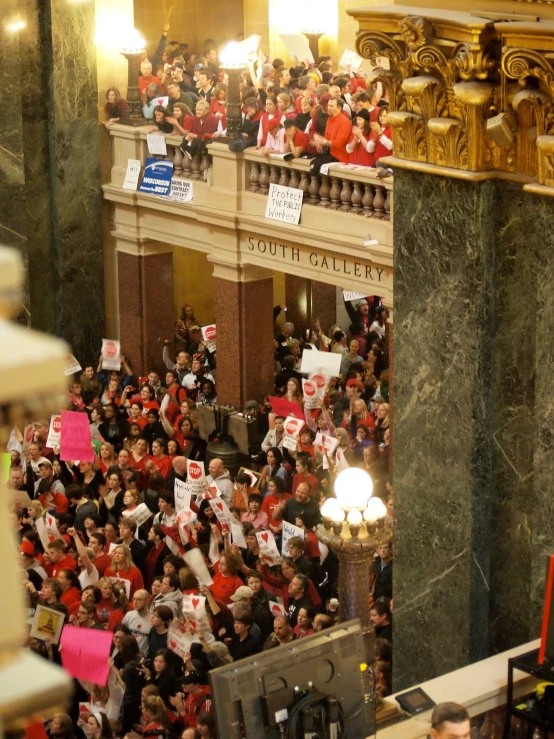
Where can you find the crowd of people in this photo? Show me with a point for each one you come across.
(306, 110)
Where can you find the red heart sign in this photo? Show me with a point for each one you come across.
(210, 332)
(195, 471)
(57, 424)
(265, 537)
(309, 389)
(192, 623)
(220, 506)
(195, 602)
(110, 349)
(171, 644)
(160, 101)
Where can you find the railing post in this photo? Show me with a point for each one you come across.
(356, 198)
(324, 192)
(346, 195)
(264, 178)
(379, 202)
(367, 201)
(314, 189)
(254, 176)
(335, 193)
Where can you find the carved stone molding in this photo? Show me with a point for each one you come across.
(449, 74)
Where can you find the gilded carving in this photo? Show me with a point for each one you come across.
(416, 31)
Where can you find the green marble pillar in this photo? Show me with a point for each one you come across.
(55, 134)
(443, 308)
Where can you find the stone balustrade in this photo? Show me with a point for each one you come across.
(188, 169)
(357, 191)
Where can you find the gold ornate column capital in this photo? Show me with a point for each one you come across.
(469, 97)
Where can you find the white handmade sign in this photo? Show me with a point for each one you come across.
(178, 639)
(276, 608)
(194, 611)
(195, 560)
(268, 547)
(183, 493)
(297, 46)
(284, 204)
(156, 143)
(54, 432)
(237, 534)
(312, 396)
(72, 366)
(111, 354)
(350, 59)
(132, 174)
(209, 335)
(350, 295)
(222, 512)
(196, 476)
(327, 363)
(289, 530)
(140, 514)
(292, 427)
(181, 190)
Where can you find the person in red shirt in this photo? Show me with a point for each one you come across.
(160, 461)
(304, 474)
(337, 132)
(124, 569)
(102, 561)
(136, 416)
(225, 579)
(50, 499)
(276, 493)
(358, 144)
(146, 77)
(198, 698)
(58, 558)
(218, 104)
(297, 142)
(381, 136)
(70, 587)
(204, 125)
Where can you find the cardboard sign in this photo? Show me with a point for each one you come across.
(179, 640)
(75, 440)
(297, 46)
(312, 396)
(222, 512)
(111, 354)
(122, 581)
(140, 514)
(209, 335)
(197, 564)
(284, 204)
(156, 143)
(326, 443)
(276, 609)
(85, 711)
(132, 175)
(237, 534)
(181, 190)
(194, 611)
(350, 59)
(47, 529)
(327, 363)
(183, 493)
(47, 624)
(157, 177)
(350, 295)
(72, 366)
(268, 548)
(254, 476)
(54, 432)
(196, 476)
(85, 653)
(289, 530)
(284, 407)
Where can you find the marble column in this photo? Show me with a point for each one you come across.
(324, 304)
(52, 210)
(298, 297)
(146, 308)
(243, 309)
(443, 263)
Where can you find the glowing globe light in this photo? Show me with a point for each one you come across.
(337, 516)
(330, 505)
(354, 517)
(353, 488)
(375, 510)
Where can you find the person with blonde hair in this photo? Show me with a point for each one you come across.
(123, 568)
(344, 456)
(382, 424)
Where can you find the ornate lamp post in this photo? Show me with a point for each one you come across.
(313, 35)
(31, 685)
(353, 526)
(133, 50)
(233, 61)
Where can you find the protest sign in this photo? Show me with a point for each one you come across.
(183, 494)
(194, 611)
(289, 530)
(75, 442)
(297, 47)
(284, 407)
(209, 336)
(196, 476)
(292, 427)
(47, 529)
(350, 59)
(132, 175)
(237, 535)
(197, 564)
(213, 552)
(181, 190)
(126, 584)
(47, 624)
(222, 512)
(312, 396)
(54, 432)
(85, 711)
(178, 639)
(85, 653)
(326, 445)
(276, 608)
(268, 548)
(326, 362)
(111, 354)
(20, 498)
(383, 62)
(350, 295)
(164, 404)
(156, 143)
(140, 514)
(157, 177)
(284, 204)
(72, 366)
(340, 461)
(254, 476)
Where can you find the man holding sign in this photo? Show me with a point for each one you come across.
(222, 479)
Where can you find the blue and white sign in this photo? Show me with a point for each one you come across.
(157, 177)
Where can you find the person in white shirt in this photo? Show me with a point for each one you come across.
(138, 621)
(275, 436)
(196, 375)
